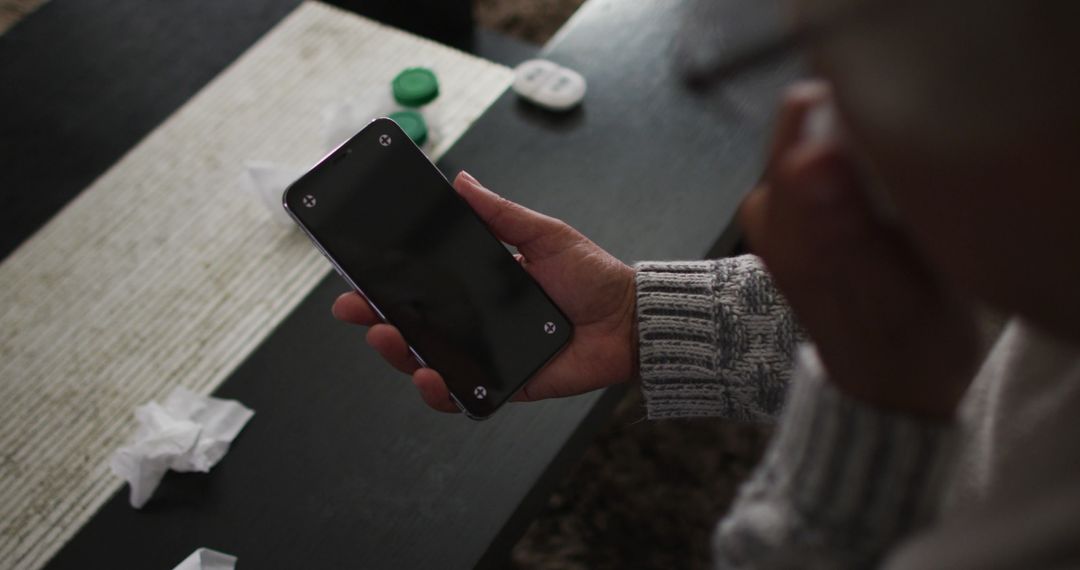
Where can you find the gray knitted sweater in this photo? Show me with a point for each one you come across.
(844, 485)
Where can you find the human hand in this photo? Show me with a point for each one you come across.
(593, 289)
(888, 330)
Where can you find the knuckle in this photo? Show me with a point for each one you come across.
(806, 93)
(803, 163)
(558, 226)
(504, 205)
(502, 208)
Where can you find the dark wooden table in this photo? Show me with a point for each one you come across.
(343, 466)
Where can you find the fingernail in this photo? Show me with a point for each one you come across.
(819, 125)
(470, 178)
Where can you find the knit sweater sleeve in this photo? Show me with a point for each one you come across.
(715, 338)
(840, 485)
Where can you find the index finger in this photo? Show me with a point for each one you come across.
(798, 100)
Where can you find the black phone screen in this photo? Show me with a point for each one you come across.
(390, 221)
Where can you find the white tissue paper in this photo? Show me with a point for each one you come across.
(268, 182)
(206, 559)
(341, 119)
(187, 432)
(344, 118)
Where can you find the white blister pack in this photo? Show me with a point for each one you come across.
(549, 84)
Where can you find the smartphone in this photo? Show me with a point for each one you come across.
(401, 236)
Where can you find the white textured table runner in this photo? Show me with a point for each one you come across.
(166, 272)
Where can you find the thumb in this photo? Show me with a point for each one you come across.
(535, 235)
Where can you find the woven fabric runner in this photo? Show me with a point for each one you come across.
(167, 272)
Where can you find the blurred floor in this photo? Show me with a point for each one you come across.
(529, 20)
(646, 494)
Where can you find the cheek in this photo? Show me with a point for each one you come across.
(942, 227)
(954, 222)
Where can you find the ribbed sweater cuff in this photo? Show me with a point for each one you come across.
(677, 339)
(714, 339)
(859, 475)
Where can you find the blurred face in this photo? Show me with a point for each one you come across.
(971, 127)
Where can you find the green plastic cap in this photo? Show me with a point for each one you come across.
(413, 124)
(415, 86)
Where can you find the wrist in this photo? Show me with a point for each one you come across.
(632, 327)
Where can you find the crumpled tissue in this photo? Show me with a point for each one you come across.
(207, 559)
(187, 432)
(341, 119)
(268, 182)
